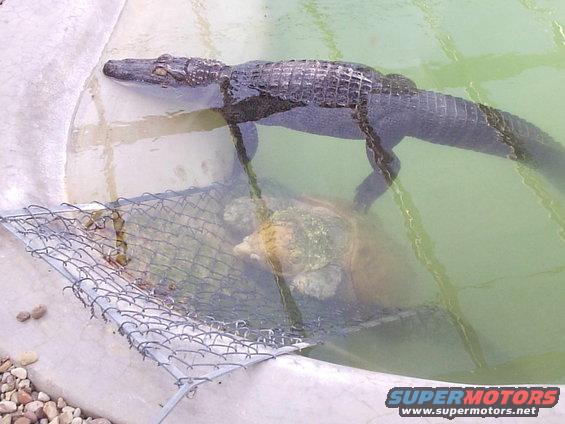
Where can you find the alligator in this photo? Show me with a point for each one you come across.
(349, 101)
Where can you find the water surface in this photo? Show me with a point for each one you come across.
(484, 236)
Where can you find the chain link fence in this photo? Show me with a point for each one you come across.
(162, 268)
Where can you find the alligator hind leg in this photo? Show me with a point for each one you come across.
(384, 162)
(376, 183)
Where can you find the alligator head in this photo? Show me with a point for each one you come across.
(166, 70)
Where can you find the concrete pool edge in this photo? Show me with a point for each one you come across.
(46, 67)
(84, 360)
(125, 388)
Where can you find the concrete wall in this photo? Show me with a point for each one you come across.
(50, 49)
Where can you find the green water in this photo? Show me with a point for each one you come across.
(485, 237)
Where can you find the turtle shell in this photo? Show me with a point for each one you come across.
(312, 233)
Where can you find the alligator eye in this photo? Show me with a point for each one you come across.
(164, 58)
(159, 70)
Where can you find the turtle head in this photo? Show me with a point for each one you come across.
(272, 247)
(252, 250)
(166, 70)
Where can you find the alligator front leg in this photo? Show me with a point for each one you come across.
(385, 163)
(245, 142)
(244, 132)
(244, 158)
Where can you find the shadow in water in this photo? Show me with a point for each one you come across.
(547, 367)
(479, 95)
(421, 242)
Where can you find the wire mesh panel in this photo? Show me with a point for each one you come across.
(162, 266)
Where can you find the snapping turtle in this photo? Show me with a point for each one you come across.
(323, 249)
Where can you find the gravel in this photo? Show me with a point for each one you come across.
(22, 403)
(38, 311)
(27, 358)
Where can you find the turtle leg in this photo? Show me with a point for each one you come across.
(384, 162)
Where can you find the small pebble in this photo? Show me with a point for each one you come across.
(19, 372)
(7, 387)
(61, 403)
(24, 397)
(22, 420)
(43, 397)
(65, 417)
(32, 417)
(23, 316)
(23, 384)
(50, 409)
(27, 358)
(44, 421)
(34, 406)
(11, 396)
(6, 365)
(101, 421)
(6, 419)
(77, 420)
(68, 409)
(77, 412)
(40, 414)
(38, 311)
(55, 421)
(7, 407)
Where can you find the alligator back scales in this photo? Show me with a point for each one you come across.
(347, 100)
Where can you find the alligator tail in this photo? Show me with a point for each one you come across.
(456, 122)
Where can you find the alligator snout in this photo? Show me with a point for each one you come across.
(110, 68)
(148, 71)
(139, 70)
(126, 69)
